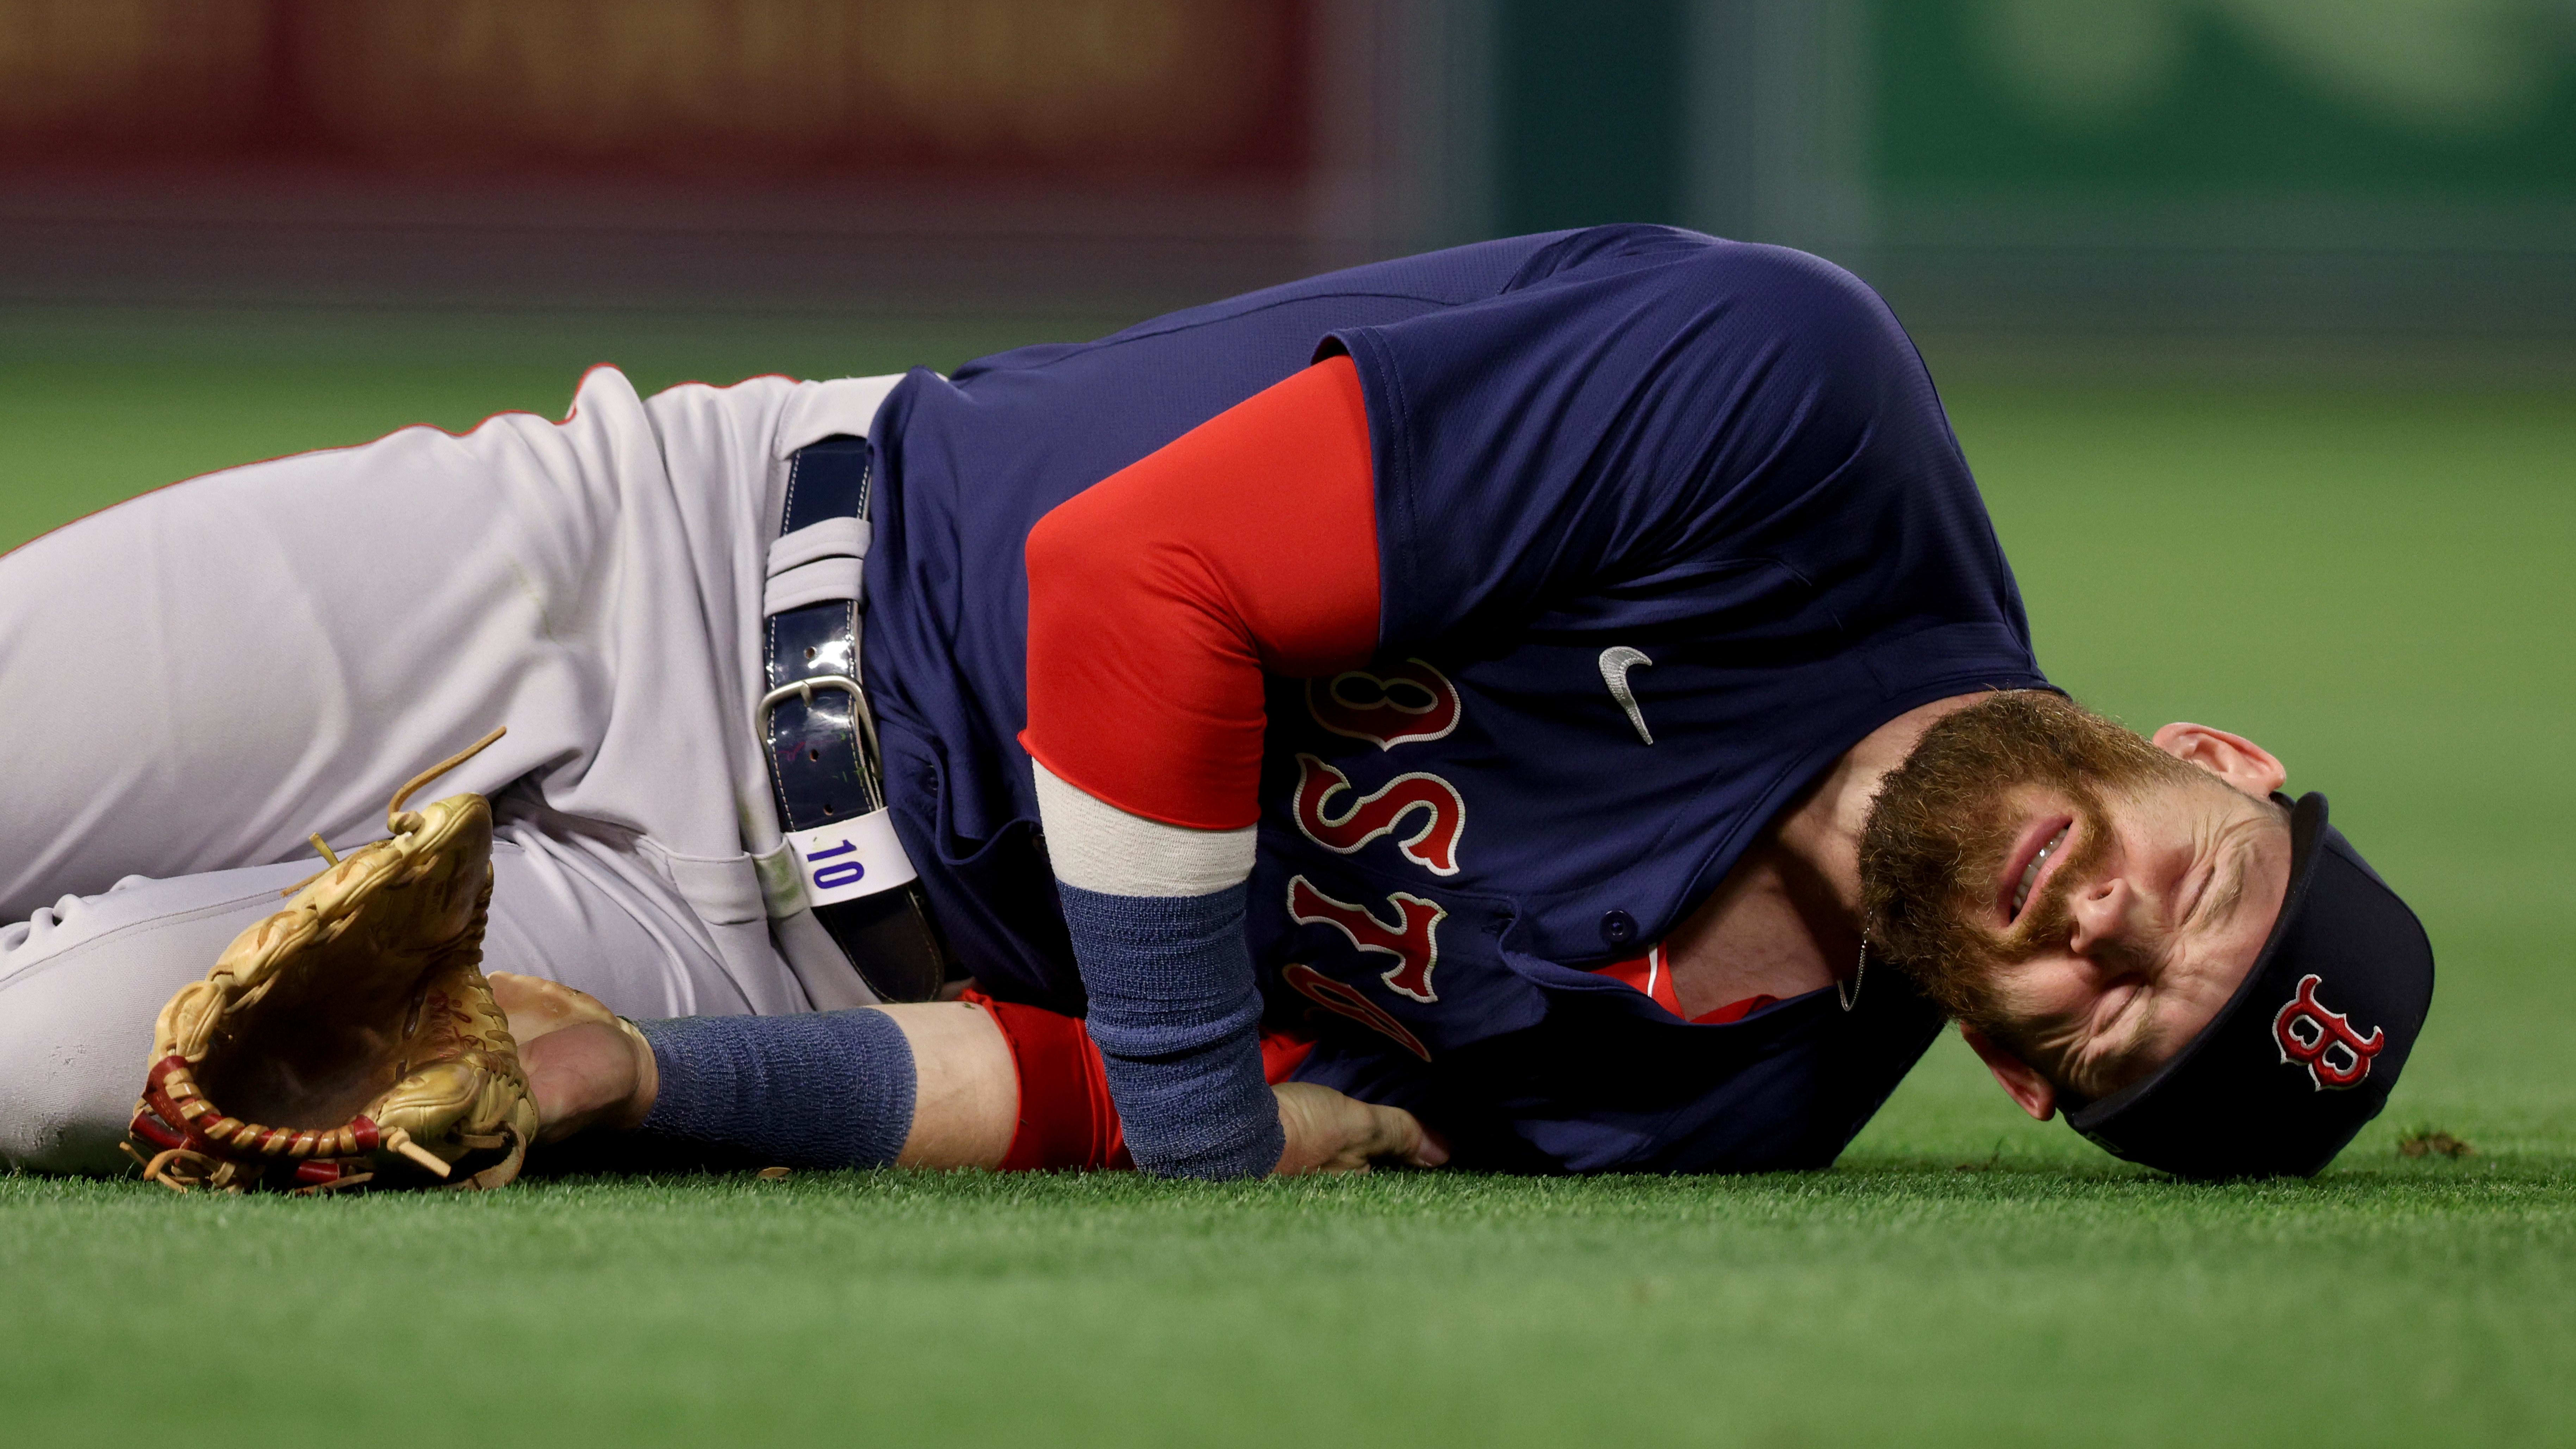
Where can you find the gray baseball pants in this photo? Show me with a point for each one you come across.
(193, 682)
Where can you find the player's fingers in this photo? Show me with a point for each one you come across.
(1326, 1131)
(1329, 1132)
(1430, 1150)
(1352, 1136)
(1399, 1136)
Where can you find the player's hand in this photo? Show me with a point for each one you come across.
(1328, 1132)
(585, 1067)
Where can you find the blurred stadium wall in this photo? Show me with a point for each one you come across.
(2339, 167)
(761, 152)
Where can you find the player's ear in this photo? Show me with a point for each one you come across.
(2021, 1081)
(2233, 758)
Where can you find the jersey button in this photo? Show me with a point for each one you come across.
(1618, 928)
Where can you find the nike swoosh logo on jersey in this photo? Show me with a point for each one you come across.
(1615, 664)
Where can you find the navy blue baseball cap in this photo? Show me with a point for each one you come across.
(2307, 1049)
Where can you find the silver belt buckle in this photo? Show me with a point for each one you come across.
(804, 689)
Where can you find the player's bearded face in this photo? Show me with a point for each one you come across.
(1937, 837)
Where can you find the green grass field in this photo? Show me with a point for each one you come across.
(2371, 575)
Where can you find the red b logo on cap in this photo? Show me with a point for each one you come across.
(2326, 1032)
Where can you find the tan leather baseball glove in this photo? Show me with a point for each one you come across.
(349, 1038)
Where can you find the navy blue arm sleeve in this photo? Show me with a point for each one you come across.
(1177, 1018)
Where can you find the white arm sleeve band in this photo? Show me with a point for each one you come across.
(1098, 847)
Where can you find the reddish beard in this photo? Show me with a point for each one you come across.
(1938, 833)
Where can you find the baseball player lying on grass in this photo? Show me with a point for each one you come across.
(1550, 682)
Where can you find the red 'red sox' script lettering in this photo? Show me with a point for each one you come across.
(1410, 702)
(1413, 941)
(2326, 1031)
(1344, 999)
(1433, 845)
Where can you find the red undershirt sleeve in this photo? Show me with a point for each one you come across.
(1160, 596)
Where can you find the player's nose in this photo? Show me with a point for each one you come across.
(2103, 912)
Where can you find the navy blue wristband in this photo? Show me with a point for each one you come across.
(1177, 1018)
(831, 1089)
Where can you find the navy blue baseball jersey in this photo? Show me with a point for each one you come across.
(1666, 524)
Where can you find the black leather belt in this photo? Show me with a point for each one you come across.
(825, 774)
